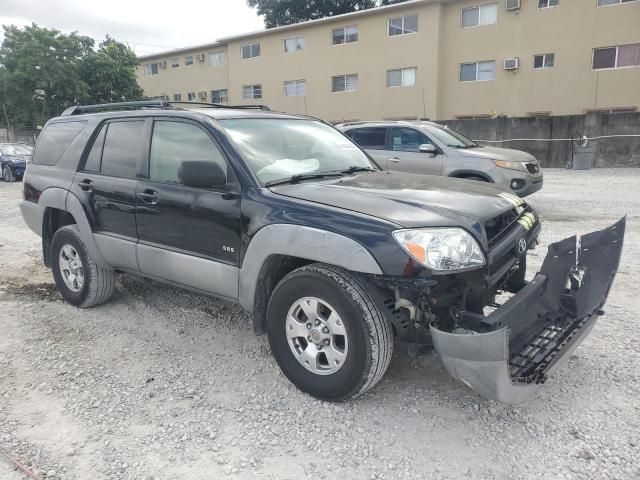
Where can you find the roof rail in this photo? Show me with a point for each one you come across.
(220, 105)
(79, 109)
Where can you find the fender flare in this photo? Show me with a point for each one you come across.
(303, 242)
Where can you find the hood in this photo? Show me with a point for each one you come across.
(408, 200)
(495, 153)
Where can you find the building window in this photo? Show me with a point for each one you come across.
(188, 60)
(175, 62)
(295, 88)
(177, 97)
(345, 35)
(548, 3)
(217, 58)
(545, 60)
(293, 44)
(251, 92)
(481, 15)
(220, 96)
(477, 71)
(191, 96)
(604, 3)
(250, 50)
(616, 57)
(344, 83)
(612, 110)
(401, 77)
(151, 68)
(403, 25)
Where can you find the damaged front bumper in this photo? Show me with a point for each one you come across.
(505, 355)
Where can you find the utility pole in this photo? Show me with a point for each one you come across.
(8, 126)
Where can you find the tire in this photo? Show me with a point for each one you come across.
(97, 282)
(7, 174)
(368, 340)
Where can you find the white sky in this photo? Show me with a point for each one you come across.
(148, 26)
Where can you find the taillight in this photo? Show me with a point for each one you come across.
(29, 193)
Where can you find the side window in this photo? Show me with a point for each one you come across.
(54, 141)
(407, 139)
(92, 164)
(175, 142)
(122, 148)
(372, 138)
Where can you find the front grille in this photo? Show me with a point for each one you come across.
(532, 167)
(497, 227)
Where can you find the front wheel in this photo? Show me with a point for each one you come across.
(7, 174)
(327, 333)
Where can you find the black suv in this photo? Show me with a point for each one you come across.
(334, 257)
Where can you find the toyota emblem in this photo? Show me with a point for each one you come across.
(522, 246)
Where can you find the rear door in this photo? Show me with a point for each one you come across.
(187, 235)
(404, 154)
(373, 140)
(106, 187)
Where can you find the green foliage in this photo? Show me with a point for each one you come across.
(285, 12)
(43, 71)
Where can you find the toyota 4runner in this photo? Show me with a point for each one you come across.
(333, 257)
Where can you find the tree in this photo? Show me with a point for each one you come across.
(286, 12)
(43, 71)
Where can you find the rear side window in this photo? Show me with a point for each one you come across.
(54, 141)
(92, 163)
(372, 138)
(122, 148)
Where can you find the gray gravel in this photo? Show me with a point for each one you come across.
(162, 384)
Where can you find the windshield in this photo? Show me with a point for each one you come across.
(14, 150)
(449, 137)
(278, 149)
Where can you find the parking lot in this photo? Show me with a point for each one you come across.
(163, 384)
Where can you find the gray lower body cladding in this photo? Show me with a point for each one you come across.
(505, 355)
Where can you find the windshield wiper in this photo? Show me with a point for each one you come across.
(301, 176)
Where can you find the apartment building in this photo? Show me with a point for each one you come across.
(438, 59)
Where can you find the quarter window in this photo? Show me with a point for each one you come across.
(220, 96)
(545, 60)
(217, 58)
(616, 57)
(92, 164)
(481, 15)
(188, 60)
(295, 88)
(250, 50)
(477, 71)
(403, 25)
(151, 68)
(122, 148)
(401, 77)
(251, 92)
(174, 142)
(345, 35)
(407, 139)
(344, 83)
(548, 3)
(372, 138)
(293, 44)
(54, 141)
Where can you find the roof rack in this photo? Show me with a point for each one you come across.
(160, 104)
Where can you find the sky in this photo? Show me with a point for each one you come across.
(147, 26)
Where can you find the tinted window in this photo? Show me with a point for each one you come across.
(92, 164)
(54, 141)
(174, 142)
(407, 139)
(122, 148)
(604, 58)
(373, 138)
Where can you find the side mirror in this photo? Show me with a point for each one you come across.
(201, 174)
(428, 148)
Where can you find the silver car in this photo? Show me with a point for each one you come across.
(433, 149)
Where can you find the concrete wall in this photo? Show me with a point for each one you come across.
(609, 152)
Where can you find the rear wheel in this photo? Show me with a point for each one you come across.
(7, 174)
(327, 333)
(79, 279)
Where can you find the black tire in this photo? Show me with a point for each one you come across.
(98, 282)
(7, 174)
(370, 333)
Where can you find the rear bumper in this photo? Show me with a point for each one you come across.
(507, 354)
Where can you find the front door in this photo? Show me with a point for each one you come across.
(187, 235)
(404, 155)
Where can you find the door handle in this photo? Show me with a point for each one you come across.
(149, 196)
(86, 185)
(394, 159)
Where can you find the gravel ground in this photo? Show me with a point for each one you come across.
(162, 384)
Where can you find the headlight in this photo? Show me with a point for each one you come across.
(510, 165)
(441, 249)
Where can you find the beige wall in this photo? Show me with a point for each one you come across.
(571, 31)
